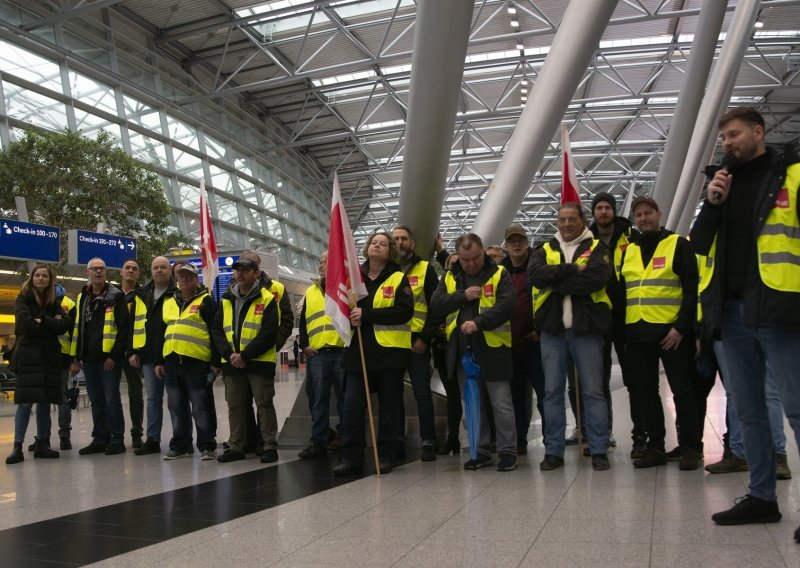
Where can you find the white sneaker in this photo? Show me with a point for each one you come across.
(208, 455)
(175, 455)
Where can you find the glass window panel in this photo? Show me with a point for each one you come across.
(242, 163)
(277, 179)
(182, 132)
(248, 191)
(169, 191)
(227, 210)
(303, 240)
(230, 239)
(274, 228)
(94, 93)
(192, 225)
(257, 243)
(88, 122)
(216, 149)
(29, 66)
(252, 219)
(86, 49)
(139, 113)
(148, 149)
(136, 74)
(269, 201)
(187, 163)
(291, 234)
(33, 108)
(295, 261)
(190, 197)
(264, 174)
(221, 179)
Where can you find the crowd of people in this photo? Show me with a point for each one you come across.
(540, 322)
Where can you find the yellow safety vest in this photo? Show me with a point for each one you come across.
(705, 268)
(779, 241)
(619, 249)
(109, 329)
(277, 289)
(250, 326)
(497, 337)
(139, 316)
(653, 293)
(416, 278)
(187, 334)
(319, 328)
(554, 258)
(65, 338)
(391, 335)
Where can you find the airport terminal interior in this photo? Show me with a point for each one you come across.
(441, 114)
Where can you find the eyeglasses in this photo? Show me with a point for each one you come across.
(97, 268)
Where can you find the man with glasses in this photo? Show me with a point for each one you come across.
(99, 343)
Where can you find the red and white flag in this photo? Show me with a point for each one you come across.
(570, 190)
(344, 283)
(208, 245)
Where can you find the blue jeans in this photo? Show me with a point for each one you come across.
(155, 401)
(773, 406)
(103, 390)
(419, 371)
(23, 417)
(527, 369)
(587, 353)
(187, 384)
(751, 354)
(388, 383)
(323, 371)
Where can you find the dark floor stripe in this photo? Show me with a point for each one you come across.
(98, 534)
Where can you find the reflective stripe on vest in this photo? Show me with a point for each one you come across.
(109, 329)
(554, 258)
(319, 328)
(139, 315)
(497, 337)
(653, 293)
(779, 241)
(391, 335)
(250, 326)
(416, 278)
(65, 339)
(705, 268)
(187, 333)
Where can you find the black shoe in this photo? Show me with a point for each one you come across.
(587, 452)
(651, 458)
(428, 453)
(115, 449)
(749, 510)
(32, 446)
(452, 445)
(65, 444)
(782, 470)
(16, 455)
(269, 456)
(345, 469)
(675, 454)
(43, 449)
(481, 461)
(507, 462)
(690, 460)
(230, 456)
(385, 467)
(313, 451)
(639, 448)
(136, 442)
(150, 446)
(551, 462)
(93, 448)
(600, 462)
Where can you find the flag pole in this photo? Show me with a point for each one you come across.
(369, 403)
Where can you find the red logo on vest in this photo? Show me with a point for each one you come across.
(276, 296)
(586, 254)
(388, 291)
(194, 309)
(109, 309)
(623, 247)
(782, 201)
(259, 309)
(488, 290)
(413, 280)
(659, 262)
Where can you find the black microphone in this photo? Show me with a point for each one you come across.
(729, 163)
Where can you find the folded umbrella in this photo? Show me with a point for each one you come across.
(472, 402)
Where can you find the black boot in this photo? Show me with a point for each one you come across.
(43, 449)
(451, 445)
(16, 454)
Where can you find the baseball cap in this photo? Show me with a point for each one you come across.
(644, 199)
(515, 229)
(191, 268)
(245, 263)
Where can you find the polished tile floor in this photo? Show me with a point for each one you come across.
(142, 511)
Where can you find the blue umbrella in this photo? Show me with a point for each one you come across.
(472, 402)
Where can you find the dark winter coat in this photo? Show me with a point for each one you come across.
(37, 352)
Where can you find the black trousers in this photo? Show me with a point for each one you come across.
(643, 359)
(450, 384)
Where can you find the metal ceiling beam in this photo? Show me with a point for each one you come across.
(82, 9)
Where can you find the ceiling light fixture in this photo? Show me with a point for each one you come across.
(524, 82)
(514, 23)
(520, 46)
(524, 91)
(512, 10)
(759, 24)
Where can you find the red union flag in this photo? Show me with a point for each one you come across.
(208, 245)
(344, 284)
(569, 183)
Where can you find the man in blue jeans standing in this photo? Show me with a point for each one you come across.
(752, 218)
(324, 350)
(99, 342)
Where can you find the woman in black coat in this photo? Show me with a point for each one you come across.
(37, 359)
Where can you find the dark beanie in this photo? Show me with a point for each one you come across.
(607, 197)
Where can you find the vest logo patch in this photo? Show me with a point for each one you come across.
(259, 309)
(194, 309)
(413, 280)
(623, 247)
(782, 201)
(488, 290)
(109, 309)
(276, 296)
(388, 291)
(586, 254)
(659, 262)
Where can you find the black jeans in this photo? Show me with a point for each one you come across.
(644, 358)
(450, 384)
(133, 377)
(527, 366)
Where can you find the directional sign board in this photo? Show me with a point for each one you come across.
(83, 246)
(28, 241)
(225, 272)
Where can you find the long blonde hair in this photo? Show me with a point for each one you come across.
(49, 296)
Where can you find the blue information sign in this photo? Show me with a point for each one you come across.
(83, 246)
(28, 241)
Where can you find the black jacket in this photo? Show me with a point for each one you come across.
(90, 338)
(431, 327)
(260, 344)
(149, 354)
(763, 306)
(208, 310)
(566, 279)
(495, 362)
(377, 356)
(37, 352)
